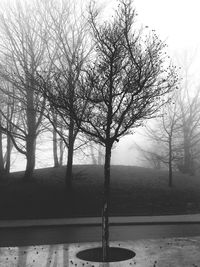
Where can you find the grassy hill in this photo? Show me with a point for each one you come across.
(134, 191)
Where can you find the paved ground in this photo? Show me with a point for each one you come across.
(168, 252)
(158, 249)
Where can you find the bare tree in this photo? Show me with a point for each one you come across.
(150, 155)
(58, 143)
(68, 30)
(123, 86)
(94, 161)
(100, 155)
(177, 133)
(1, 150)
(23, 51)
(189, 111)
(2, 106)
(190, 129)
(60, 136)
(8, 108)
(165, 136)
(96, 153)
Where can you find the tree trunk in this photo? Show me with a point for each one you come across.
(187, 157)
(68, 178)
(31, 129)
(99, 155)
(1, 154)
(71, 138)
(170, 163)
(55, 149)
(61, 145)
(30, 156)
(94, 162)
(187, 146)
(106, 202)
(8, 154)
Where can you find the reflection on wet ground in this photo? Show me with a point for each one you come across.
(34, 256)
(173, 252)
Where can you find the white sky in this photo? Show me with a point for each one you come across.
(178, 21)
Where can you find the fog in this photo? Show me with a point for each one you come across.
(177, 22)
(124, 153)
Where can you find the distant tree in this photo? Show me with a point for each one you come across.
(150, 155)
(55, 149)
(53, 125)
(178, 130)
(2, 106)
(164, 135)
(1, 150)
(190, 129)
(58, 143)
(94, 161)
(188, 103)
(96, 152)
(123, 86)
(23, 53)
(100, 155)
(68, 30)
(175, 136)
(9, 116)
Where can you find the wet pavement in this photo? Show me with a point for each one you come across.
(164, 252)
(162, 241)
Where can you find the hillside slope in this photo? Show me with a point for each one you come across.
(134, 191)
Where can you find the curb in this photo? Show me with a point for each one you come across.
(94, 221)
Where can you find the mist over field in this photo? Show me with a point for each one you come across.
(124, 153)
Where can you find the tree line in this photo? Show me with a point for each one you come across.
(48, 56)
(42, 45)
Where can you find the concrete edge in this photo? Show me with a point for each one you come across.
(92, 221)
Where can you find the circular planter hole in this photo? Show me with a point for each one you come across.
(115, 254)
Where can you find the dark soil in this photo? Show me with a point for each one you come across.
(115, 254)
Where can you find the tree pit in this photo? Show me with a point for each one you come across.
(115, 254)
